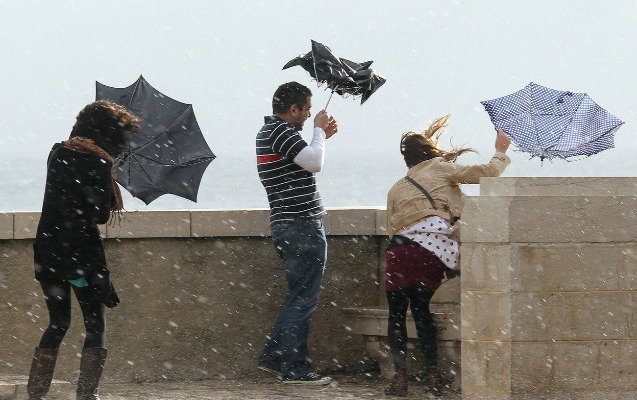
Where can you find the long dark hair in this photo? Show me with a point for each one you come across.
(107, 124)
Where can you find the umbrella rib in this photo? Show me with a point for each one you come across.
(134, 91)
(167, 129)
(167, 165)
(148, 178)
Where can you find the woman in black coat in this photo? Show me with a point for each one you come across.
(80, 194)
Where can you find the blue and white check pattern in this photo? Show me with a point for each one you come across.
(549, 123)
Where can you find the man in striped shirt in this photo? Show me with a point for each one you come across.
(286, 166)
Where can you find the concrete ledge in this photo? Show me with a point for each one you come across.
(351, 221)
(150, 224)
(25, 224)
(213, 223)
(584, 186)
(6, 226)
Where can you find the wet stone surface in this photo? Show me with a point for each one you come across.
(344, 389)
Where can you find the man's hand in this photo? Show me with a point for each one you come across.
(322, 120)
(332, 128)
(502, 142)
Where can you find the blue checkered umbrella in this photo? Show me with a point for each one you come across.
(549, 123)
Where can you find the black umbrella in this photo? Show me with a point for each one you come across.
(342, 76)
(169, 153)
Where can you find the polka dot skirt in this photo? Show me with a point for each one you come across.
(435, 234)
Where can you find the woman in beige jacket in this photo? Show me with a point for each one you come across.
(421, 210)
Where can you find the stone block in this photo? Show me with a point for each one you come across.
(628, 267)
(486, 369)
(486, 266)
(542, 316)
(571, 219)
(604, 315)
(350, 221)
(221, 223)
(150, 224)
(485, 316)
(485, 219)
(531, 367)
(558, 186)
(618, 364)
(565, 267)
(575, 365)
(381, 223)
(25, 224)
(6, 226)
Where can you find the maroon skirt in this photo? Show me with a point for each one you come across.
(408, 265)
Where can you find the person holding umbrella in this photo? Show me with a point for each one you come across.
(286, 165)
(80, 194)
(421, 210)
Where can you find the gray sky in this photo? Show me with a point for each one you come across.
(225, 58)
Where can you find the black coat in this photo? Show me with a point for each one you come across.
(78, 196)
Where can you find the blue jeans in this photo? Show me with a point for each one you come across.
(302, 245)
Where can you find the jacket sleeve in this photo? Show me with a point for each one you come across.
(390, 210)
(459, 174)
(98, 192)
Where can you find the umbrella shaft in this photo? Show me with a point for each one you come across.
(328, 100)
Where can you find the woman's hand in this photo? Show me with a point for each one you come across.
(502, 142)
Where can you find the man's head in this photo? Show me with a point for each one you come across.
(292, 102)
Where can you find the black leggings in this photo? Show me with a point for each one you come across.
(398, 302)
(58, 302)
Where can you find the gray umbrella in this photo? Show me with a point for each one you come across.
(169, 153)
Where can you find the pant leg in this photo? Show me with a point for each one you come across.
(397, 327)
(419, 298)
(58, 302)
(93, 315)
(303, 247)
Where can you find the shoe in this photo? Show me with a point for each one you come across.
(398, 385)
(41, 373)
(311, 379)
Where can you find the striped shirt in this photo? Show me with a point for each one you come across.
(291, 190)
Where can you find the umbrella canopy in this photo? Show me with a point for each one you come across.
(342, 76)
(169, 153)
(549, 123)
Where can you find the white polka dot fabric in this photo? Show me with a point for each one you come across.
(435, 234)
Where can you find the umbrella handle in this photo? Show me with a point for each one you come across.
(328, 100)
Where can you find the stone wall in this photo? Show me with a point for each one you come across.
(199, 291)
(549, 279)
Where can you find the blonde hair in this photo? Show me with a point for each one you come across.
(417, 147)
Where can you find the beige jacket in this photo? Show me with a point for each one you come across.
(407, 205)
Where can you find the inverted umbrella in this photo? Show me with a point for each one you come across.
(342, 76)
(169, 153)
(549, 123)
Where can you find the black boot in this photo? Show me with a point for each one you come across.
(41, 372)
(398, 385)
(91, 367)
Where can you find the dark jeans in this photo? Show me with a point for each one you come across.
(58, 302)
(302, 246)
(398, 302)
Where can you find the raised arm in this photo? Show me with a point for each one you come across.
(472, 173)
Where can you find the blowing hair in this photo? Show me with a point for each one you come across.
(289, 94)
(107, 124)
(417, 147)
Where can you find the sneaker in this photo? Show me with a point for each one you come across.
(311, 379)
